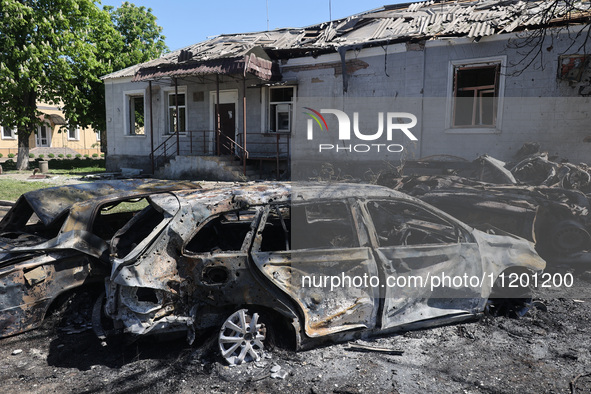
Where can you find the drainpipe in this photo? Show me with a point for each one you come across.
(217, 112)
(244, 124)
(176, 124)
(151, 128)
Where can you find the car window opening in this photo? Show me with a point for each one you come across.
(222, 233)
(113, 216)
(136, 231)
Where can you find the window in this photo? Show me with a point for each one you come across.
(135, 118)
(173, 119)
(276, 235)
(401, 224)
(326, 225)
(476, 92)
(226, 232)
(73, 133)
(8, 133)
(280, 108)
(98, 135)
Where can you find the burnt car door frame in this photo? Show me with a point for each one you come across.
(407, 305)
(323, 311)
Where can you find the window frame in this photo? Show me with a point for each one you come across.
(246, 242)
(268, 104)
(464, 233)
(12, 133)
(76, 130)
(182, 90)
(127, 96)
(454, 66)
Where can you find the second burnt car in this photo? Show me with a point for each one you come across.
(248, 259)
(55, 240)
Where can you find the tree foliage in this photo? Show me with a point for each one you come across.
(55, 51)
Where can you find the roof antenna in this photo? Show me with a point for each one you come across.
(267, 15)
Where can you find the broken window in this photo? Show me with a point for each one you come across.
(476, 91)
(22, 219)
(276, 235)
(135, 117)
(114, 215)
(400, 223)
(226, 232)
(173, 118)
(136, 230)
(280, 108)
(326, 225)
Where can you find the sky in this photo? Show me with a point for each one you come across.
(187, 22)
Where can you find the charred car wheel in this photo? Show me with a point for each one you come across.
(241, 337)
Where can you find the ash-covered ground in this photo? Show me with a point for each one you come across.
(548, 350)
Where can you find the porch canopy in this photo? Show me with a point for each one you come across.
(255, 61)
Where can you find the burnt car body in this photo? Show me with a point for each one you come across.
(234, 259)
(54, 240)
(558, 220)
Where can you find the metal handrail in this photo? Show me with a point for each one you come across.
(236, 149)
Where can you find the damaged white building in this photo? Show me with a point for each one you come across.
(479, 76)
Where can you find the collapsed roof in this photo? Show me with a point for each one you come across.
(254, 52)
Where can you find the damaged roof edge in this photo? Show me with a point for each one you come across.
(389, 24)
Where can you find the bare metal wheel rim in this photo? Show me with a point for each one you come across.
(241, 338)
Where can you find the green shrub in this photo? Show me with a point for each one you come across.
(78, 155)
(41, 156)
(11, 155)
(32, 155)
(51, 155)
(61, 155)
(1, 155)
(102, 155)
(87, 155)
(95, 155)
(69, 155)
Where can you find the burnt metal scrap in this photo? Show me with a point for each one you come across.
(235, 260)
(536, 169)
(55, 240)
(557, 219)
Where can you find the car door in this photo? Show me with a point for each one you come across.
(318, 254)
(428, 263)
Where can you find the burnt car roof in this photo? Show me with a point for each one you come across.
(267, 192)
(48, 204)
(264, 192)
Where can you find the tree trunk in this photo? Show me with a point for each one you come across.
(22, 161)
(29, 100)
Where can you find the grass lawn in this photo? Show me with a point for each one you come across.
(11, 189)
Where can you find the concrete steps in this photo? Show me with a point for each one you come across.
(207, 168)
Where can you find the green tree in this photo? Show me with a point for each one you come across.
(45, 53)
(142, 38)
(55, 51)
(137, 39)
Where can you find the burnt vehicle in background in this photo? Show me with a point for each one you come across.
(245, 261)
(55, 240)
(557, 219)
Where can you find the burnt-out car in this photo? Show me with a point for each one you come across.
(250, 260)
(56, 239)
(558, 220)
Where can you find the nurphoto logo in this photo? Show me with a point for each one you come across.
(395, 122)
